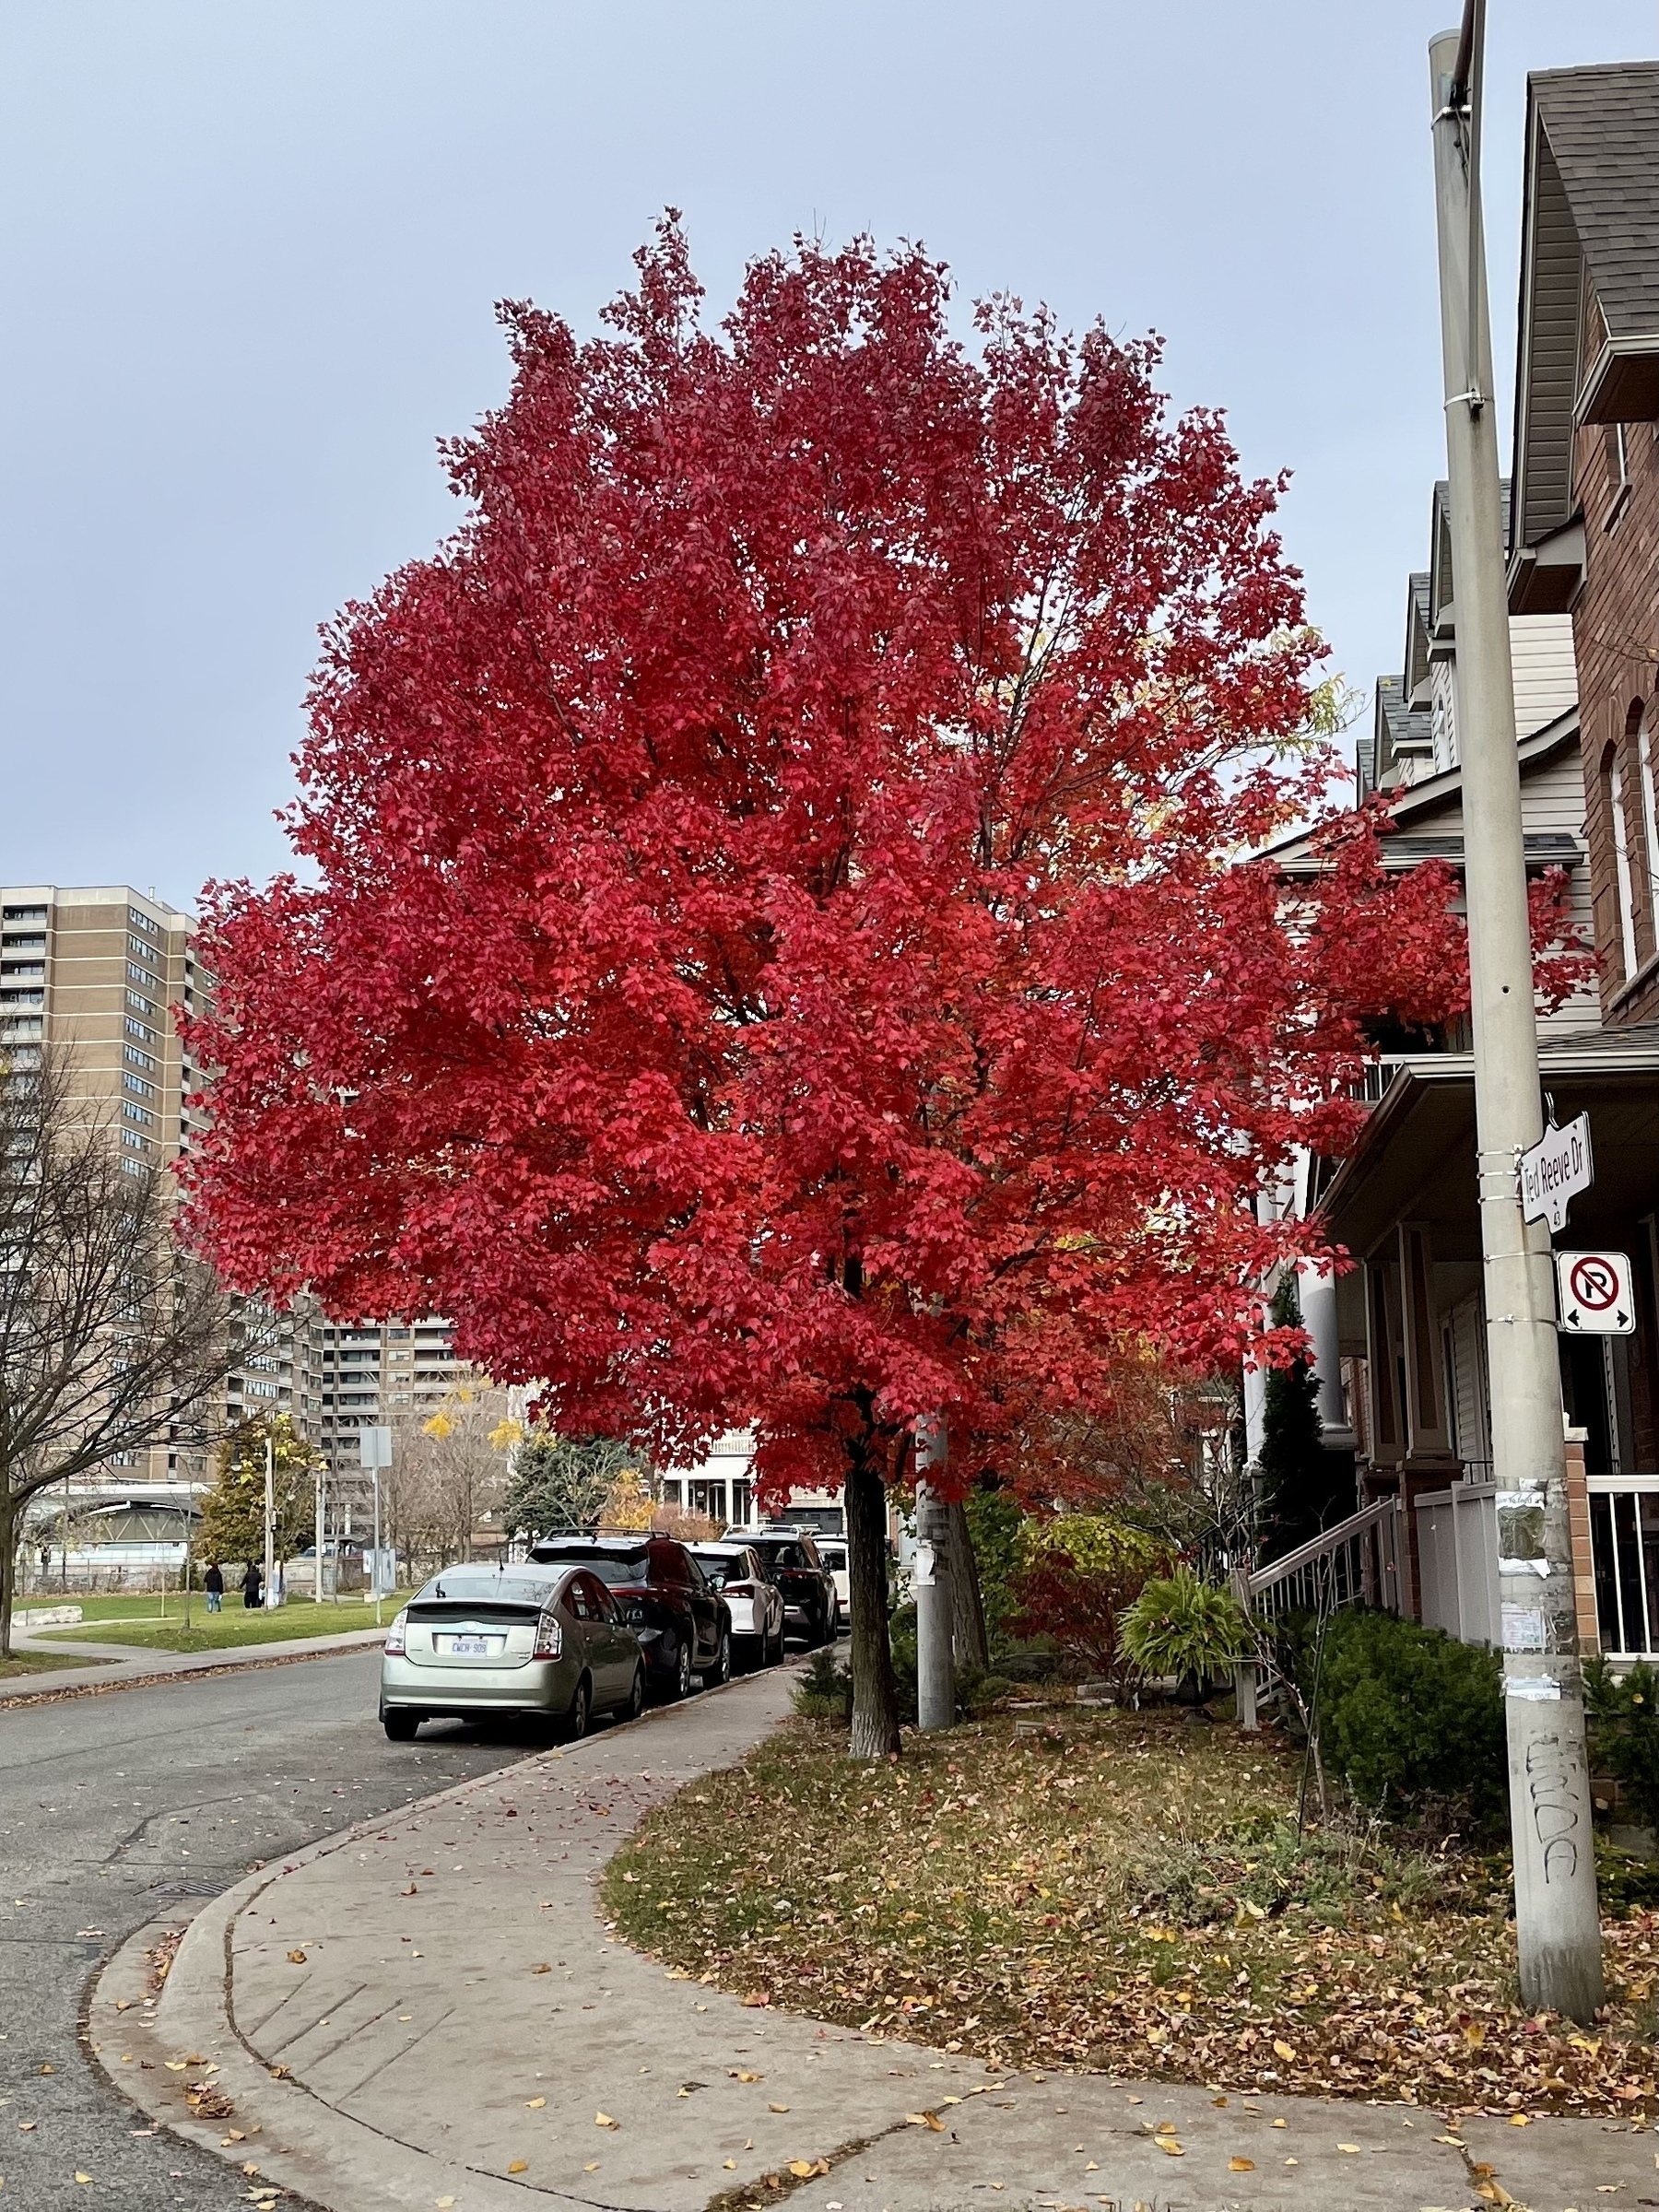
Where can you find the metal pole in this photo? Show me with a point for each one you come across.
(377, 1550)
(270, 1522)
(1557, 1932)
(936, 1670)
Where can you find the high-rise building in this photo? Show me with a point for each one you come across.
(95, 973)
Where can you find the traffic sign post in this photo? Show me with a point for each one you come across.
(1597, 1293)
(374, 1449)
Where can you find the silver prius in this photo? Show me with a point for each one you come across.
(488, 1639)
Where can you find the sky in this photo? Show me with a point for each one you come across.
(250, 255)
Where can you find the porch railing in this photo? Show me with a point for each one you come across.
(1624, 1547)
(1355, 1563)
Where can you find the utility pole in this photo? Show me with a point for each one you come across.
(270, 1522)
(1556, 1928)
(936, 1668)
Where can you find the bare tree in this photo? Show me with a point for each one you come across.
(448, 1477)
(111, 1340)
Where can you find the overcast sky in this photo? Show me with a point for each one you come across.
(249, 252)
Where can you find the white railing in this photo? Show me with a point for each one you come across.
(1624, 1545)
(1356, 1563)
(1457, 1560)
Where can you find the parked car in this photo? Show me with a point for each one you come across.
(683, 1624)
(790, 1555)
(482, 1640)
(832, 1550)
(754, 1600)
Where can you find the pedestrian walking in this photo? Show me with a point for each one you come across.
(212, 1581)
(252, 1585)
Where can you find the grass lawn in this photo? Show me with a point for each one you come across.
(1130, 1896)
(34, 1662)
(224, 1631)
(123, 1605)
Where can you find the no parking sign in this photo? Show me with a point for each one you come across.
(1595, 1293)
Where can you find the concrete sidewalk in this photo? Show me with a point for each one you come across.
(428, 2012)
(123, 1666)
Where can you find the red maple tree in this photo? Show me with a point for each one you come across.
(781, 945)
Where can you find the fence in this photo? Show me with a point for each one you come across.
(1356, 1563)
(1457, 1560)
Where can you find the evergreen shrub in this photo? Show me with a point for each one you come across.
(1409, 1718)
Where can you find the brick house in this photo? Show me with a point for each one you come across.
(1584, 519)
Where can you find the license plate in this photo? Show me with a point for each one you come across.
(470, 1647)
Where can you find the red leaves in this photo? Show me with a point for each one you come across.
(778, 948)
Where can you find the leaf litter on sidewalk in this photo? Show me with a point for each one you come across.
(1130, 1896)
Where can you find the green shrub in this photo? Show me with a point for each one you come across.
(1623, 1712)
(1408, 1717)
(825, 1691)
(1183, 1626)
(1624, 1884)
(998, 1526)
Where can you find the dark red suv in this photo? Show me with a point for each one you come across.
(683, 1623)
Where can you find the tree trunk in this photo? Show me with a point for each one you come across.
(968, 1604)
(10, 1520)
(875, 1702)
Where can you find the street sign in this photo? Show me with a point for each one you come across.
(374, 1447)
(1558, 1166)
(1595, 1291)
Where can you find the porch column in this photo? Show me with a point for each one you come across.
(1583, 1554)
(1316, 1288)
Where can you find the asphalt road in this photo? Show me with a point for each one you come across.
(115, 1808)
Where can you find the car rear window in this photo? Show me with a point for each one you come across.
(782, 1555)
(616, 1568)
(534, 1591)
(722, 1567)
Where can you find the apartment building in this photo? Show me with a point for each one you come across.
(360, 1375)
(96, 971)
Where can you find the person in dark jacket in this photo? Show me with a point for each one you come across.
(253, 1586)
(212, 1581)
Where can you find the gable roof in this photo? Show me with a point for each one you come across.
(1297, 854)
(1590, 210)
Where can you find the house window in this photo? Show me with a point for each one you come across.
(1647, 743)
(1623, 885)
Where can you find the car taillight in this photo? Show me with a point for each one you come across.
(394, 1636)
(739, 1590)
(549, 1638)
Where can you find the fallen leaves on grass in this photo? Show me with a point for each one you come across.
(1133, 1896)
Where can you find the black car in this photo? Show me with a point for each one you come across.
(683, 1624)
(811, 1607)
